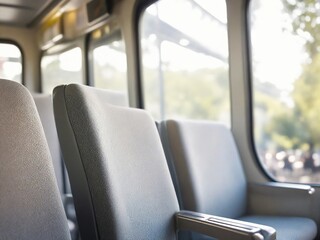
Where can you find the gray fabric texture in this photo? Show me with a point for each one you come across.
(45, 109)
(168, 153)
(124, 163)
(30, 203)
(208, 167)
(293, 228)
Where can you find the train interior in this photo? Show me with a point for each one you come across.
(143, 119)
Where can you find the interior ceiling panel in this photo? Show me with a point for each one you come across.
(24, 12)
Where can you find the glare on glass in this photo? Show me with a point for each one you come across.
(185, 60)
(61, 68)
(10, 62)
(110, 66)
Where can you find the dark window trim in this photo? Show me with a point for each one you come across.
(87, 59)
(140, 7)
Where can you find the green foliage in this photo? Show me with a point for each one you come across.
(307, 101)
(201, 94)
(305, 15)
(292, 128)
(285, 131)
(297, 127)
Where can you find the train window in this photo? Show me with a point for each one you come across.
(61, 68)
(109, 61)
(185, 60)
(10, 62)
(285, 78)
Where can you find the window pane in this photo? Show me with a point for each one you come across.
(10, 62)
(185, 60)
(62, 68)
(110, 66)
(285, 63)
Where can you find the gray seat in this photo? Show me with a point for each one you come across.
(209, 176)
(45, 109)
(30, 203)
(119, 176)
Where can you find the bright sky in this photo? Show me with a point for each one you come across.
(9, 50)
(216, 8)
(10, 69)
(278, 55)
(106, 55)
(188, 60)
(71, 60)
(196, 24)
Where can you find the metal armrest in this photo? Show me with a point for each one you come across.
(297, 188)
(223, 228)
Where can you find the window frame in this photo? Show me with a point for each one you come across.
(252, 143)
(139, 10)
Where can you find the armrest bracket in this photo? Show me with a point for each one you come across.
(299, 188)
(223, 228)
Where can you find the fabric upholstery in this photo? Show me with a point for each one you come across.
(120, 151)
(208, 167)
(211, 178)
(293, 228)
(168, 153)
(30, 203)
(45, 109)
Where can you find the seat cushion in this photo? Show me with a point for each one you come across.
(293, 228)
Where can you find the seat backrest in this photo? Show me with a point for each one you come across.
(117, 154)
(45, 109)
(30, 203)
(208, 167)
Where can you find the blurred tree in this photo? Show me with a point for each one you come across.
(307, 103)
(201, 94)
(299, 127)
(305, 15)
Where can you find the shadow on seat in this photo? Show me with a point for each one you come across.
(209, 178)
(115, 154)
(30, 203)
(45, 109)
